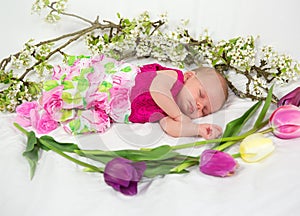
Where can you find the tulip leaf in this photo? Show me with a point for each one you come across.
(265, 108)
(236, 125)
(100, 158)
(31, 152)
(31, 141)
(184, 165)
(159, 169)
(159, 153)
(66, 147)
(32, 158)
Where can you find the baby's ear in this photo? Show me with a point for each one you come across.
(188, 75)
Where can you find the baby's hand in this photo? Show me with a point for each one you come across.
(209, 131)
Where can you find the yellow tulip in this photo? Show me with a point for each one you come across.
(256, 147)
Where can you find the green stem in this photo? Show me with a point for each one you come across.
(253, 130)
(20, 128)
(231, 140)
(81, 163)
(237, 155)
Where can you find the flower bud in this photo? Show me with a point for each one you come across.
(217, 163)
(255, 147)
(285, 122)
(292, 98)
(123, 175)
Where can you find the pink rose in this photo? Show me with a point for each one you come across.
(24, 108)
(98, 100)
(43, 124)
(52, 102)
(120, 81)
(23, 113)
(97, 119)
(46, 124)
(119, 103)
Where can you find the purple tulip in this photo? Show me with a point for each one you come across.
(123, 175)
(217, 163)
(285, 121)
(292, 98)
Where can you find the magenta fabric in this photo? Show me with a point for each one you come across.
(143, 107)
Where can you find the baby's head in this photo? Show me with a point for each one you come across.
(204, 92)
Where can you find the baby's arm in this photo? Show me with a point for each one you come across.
(160, 91)
(188, 128)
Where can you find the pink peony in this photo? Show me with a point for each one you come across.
(97, 100)
(23, 113)
(119, 103)
(52, 102)
(24, 108)
(46, 124)
(97, 119)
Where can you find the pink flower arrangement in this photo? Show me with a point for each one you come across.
(83, 97)
(32, 114)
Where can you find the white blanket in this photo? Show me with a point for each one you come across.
(269, 187)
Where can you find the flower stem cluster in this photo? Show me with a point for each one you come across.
(124, 169)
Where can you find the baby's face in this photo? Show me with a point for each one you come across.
(200, 96)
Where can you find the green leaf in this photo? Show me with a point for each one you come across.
(106, 38)
(75, 125)
(235, 126)
(160, 153)
(184, 165)
(65, 147)
(100, 158)
(77, 98)
(67, 84)
(71, 60)
(83, 84)
(67, 97)
(161, 168)
(119, 15)
(50, 84)
(66, 114)
(110, 68)
(265, 107)
(126, 69)
(84, 71)
(32, 158)
(31, 141)
(105, 86)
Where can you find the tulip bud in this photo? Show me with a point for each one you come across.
(217, 163)
(123, 175)
(292, 98)
(255, 147)
(285, 122)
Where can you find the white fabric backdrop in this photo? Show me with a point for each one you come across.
(271, 187)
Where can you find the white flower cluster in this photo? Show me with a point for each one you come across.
(12, 96)
(51, 17)
(139, 39)
(241, 52)
(204, 52)
(257, 85)
(281, 66)
(30, 53)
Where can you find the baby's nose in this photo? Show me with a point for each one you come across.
(199, 105)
